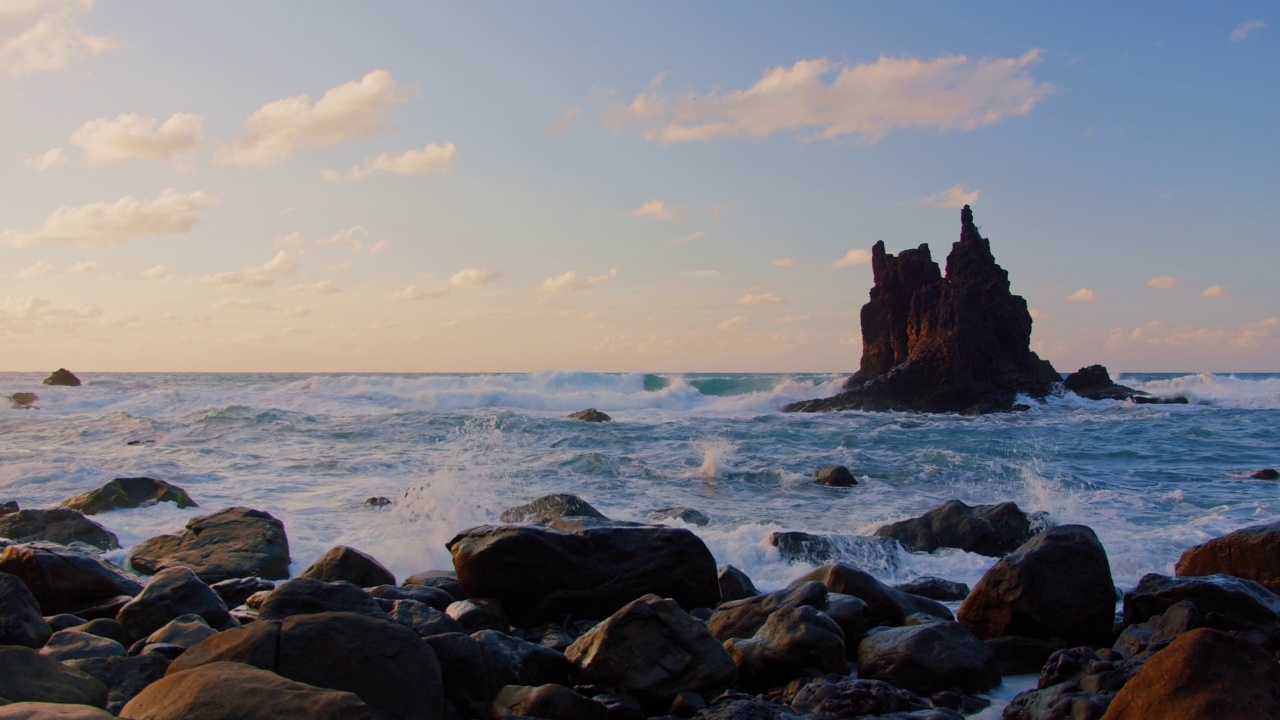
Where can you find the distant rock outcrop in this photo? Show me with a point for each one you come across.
(62, 376)
(934, 343)
(1095, 383)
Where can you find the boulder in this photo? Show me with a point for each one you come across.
(834, 476)
(377, 502)
(346, 563)
(1017, 655)
(75, 645)
(1144, 639)
(1266, 474)
(850, 613)
(124, 677)
(885, 606)
(475, 668)
(549, 508)
(52, 711)
(959, 343)
(24, 400)
(28, 676)
(384, 663)
(236, 590)
(554, 702)
(801, 547)
(793, 642)
(590, 415)
(1094, 382)
(1202, 674)
(446, 580)
(66, 580)
(1058, 702)
(171, 594)
(9, 507)
(991, 530)
(433, 596)
(652, 650)
(935, 588)
(928, 658)
(234, 690)
(129, 492)
(1224, 601)
(62, 376)
(742, 618)
(734, 584)
(683, 514)
(543, 574)
(183, 631)
(479, 614)
(422, 618)
(232, 543)
(21, 622)
(303, 596)
(834, 697)
(58, 525)
(513, 661)
(1252, 553)
(1057, 585)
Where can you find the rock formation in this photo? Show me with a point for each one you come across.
(934, 343)
(62, 376)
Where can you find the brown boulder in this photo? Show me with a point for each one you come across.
(129, 492)
(590, 415)
(24, 400)
(171, 594)
(929, 658)
(793, 642)
(57, 525)
(62, 376)
(885, 605)
(26, 675)
(991, 530)
(1252, 553)
(233, 690)
(554, 702)
(52, 711)
(346, 563)
(742, 618)
(734, 584)
(231, 543)
(66, 580)
(1224, 601)
(21, 622)
(124, 677)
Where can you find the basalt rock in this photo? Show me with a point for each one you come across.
(1252, 553)
(231, 543)
(24, 400)
(590, 415)
(550, 508)
(62, 376)
(991, 530)
(58, 525)
(347, 563)
(959, 343)
(1095, 383)
(129, 492)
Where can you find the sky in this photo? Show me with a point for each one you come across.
(625, 187)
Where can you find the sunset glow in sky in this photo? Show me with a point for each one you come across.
(439, 187)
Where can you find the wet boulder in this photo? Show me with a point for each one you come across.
(21, 622)
(63, 376)
(75, 645)
(124, 677)
(475, 668)
(794, 642)
(543, 574)
(885, 605)
(1252, 553)
(346, 563)
(128, 492)
(66, 580)
(554, 702)
(590, 415)
(734, 584)
(479, 614)
(232, 543)
(422, 618)
(28, 676)
(1057, 585)
(991, 530)
(171, 594)
(935, 588)
(24, 400)
(549, 508)
(1143, 639)
(1226, 602)
(834, 476)
(928, 658)
(58, 525)
(513, 661)
(204, 693)
(304, 596)
(183, 631)
(684, 514)
(433, 596)
(796, 546)
(742, 618)
(236, 590)
(1266, 474)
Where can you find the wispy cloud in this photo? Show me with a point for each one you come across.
(284, 264)
(856, 256)
(351, 238)
(785, 262)
(157, 272)
(688, 238)
(413, 292)
(570, 282)
(426, 160)
(1214, 292)
(1243, 30)
(110, 140)
(44, 36)
(320, 287)
(103, 224)
(348, 112)
(241, 304)
(701, 273)
(657, 210)
(759, 298)
(474, 277)
(823, 99)
(39, 270)
(47, 160)
(1163, 282)
(562, 124)
(953, 198)
(1083, 295)
(733, 322)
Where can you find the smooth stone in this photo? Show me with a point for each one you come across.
(75, 645)
(26, 675)
(21, 622)
(224, 690)
(231, 543)
(347, 563)
(67, 580)
(128, 492)
(57, 525)
(171, 594)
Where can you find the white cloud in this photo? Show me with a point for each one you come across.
(856, 256)
(379, 247)
(1037, 314)
(100, 224)
(284, 264)
(1243, 30)
(351, 238)
(47, 160)
(732, 322)
(826, 99)
(28, 315)
(320, 287)
(292, 241)
(413, 292)
(786, 262)
(426, 160)
(715, 211)
(759, 298)
(953, 198)
(348, 112)
(1214, 291)
(657, 210)
(40, 269)
(1249, 337)
(570, 281)
(106, 141)
(791, 318)
(1163, 282)
(158, 272)
(44, 36)
(297, 312)
(1083, 295)
(688, 238)
(702, 273)
(474, 277)
(562, 124)
(238, 304)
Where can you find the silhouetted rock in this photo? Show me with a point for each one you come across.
(959, 343)
(62, 376)
(1094, 383)
(835, 476)
(865, 550)
(550, 508)
(553, 702)
(683, 514)
(1266, 474)
(346, 563)
(7, 508)
(928, 658)
(57, 525)
(26, 675)
(377, 502)
(991, 530)
(590, 415)
(1252, 553)
(231, 543)
(734, 584)
(935, 588)
(128, 492)
(833, 697)
(20, 620)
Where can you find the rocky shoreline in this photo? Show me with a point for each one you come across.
(563, 614)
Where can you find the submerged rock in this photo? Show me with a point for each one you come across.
(1266, 474)
(590, 415)
(683, 514)
(62, 376)
(1252, 553)
(57, 525)
(129, 492)
(232, 543)
(834, 476)
(991, 530)
(865, 550)
(24, 400)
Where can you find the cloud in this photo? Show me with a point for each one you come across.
(379, 247)
(351, 238)
(84, 267)
(320, 287)
(132, 136)
(413, 292)
(1163, 282)
(657, 210)
(826, 99)
(348, 112)
(1083, 295)
(43, 36)
(47, 160)
(701, 273)
(688, 238)
(1243, 30)
(561, 125)
(28, 315)
(158, 272)
(759, 298)
(1214, 291)
(284, 264)
(570, 282)
(716, 211)
(40, 269)
(732, 322)
(474, 278)
(788, 262)
(791, 318)
(426, 160)
(297, 312)
(953, 198)
(103, 224)
(238, 304)
(856, 256)
(1249, 337)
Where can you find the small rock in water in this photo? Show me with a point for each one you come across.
(683, 514)
(24, 400)
(377, 502)
(1266, 474)
(590, 415)
(58, 525)
(935, 588)
(835, 476)
(62, 376)
(139, 442)
(549, 508)
(128, 492)
(9, 507)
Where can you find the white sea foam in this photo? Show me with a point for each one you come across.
(1252, 393)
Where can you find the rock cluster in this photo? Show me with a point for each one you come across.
(1095, 383)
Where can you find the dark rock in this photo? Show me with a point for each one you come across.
(171, 594)
(58, 525)
(236, 590)
(518, 662)
(652, 650)
(1143, 639)
(64, 579)
(1059, 702)
(346, 563)
(734, 584)
(1017, 655)
(850, 613)
(21, 622)
(1089, 670)
(129, 492)
(885, 605)
(435, 597)
(28, 676)
(183, 631)
(928, 658)
(842, 697)
(75, 645)
(377, 502)
(104, 609)
(1225, 602)
(103, 627)
(590, 415)
(124, 677)
(231, 543)
(1094, 383)
(61, 621)
(542, 574)
(801, 547)
(7, 508)
(304, 596)
(1252, 553)
(51, 711)
(554, 702)
(62, 376)
(835, 476)
(991, 530)
(552, 635)
(549, 508)
(740, 706)
(742, 618)
(794, 642)
(1057, 585)
(162, 650)
(470, 683)
(24, 400)
(935, 588)
(687, 704)
(479, 614)
(959, 343)
(234, 690)
(422, 618)
(440, 580)
(683, 514)
(1266, 474)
